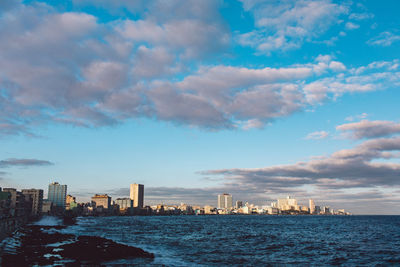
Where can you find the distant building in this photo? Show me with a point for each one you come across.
(47, 206)
(326, 210)
(37, 200)
(18, 205)
(311, 205)
(5, 204)
(57, 194)
(317, 209)
(238, 204)
(103, 201)
(225, 201)
(70, 202)
(208, 209)
(124, 203)
(288, 203)
(137, 195)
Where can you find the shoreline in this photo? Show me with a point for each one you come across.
(36, 244)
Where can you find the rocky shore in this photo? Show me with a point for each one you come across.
(45, 245)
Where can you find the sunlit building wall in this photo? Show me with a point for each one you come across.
(137, 195)
(225, 201)
(311, 205)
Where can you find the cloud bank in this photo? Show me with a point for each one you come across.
(72, 68)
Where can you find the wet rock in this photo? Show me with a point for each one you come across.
(98, 249)
(34, 249)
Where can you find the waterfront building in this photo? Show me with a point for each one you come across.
(225, 201)
(102, 201)
(137, 195)
(37, 200)
(5, 204)
(238, 204)
(311, 205)
(47, 206)
(305, 209)
(13, 198)
(124, 203)
(208, 209)
(317, 209)
(271, 210)
(57, 194)
(288, 203)
(326, 210)
(70, 202)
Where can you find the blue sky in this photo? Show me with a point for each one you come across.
(194, 98)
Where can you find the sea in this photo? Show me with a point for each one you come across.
(229, 240)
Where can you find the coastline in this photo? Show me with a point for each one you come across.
(43, 243)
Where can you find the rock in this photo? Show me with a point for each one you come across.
(34, 249)
(98, 249)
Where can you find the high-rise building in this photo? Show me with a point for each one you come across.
(137, 195)
(124, 203)
(239, 204)
(287, 203)
(311, 206)
(57, 194)
(225, 201)
(102, 201)
(37, 200)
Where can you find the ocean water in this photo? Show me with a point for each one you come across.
(254, 240)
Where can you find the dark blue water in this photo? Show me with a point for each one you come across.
(255, 240)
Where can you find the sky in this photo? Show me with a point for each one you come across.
(259, 99)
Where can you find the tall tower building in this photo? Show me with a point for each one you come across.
(57, 194)
(37, 200)
(311, 206)
(225, 201)
(137, 195)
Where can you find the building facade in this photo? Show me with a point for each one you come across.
(124, 203)
(137, 195)
(311, 205)
(57, 194)
(288, 203)
(37, 200)
(102, 201)
(225, 201)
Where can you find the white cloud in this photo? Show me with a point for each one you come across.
(283, 26)
(357, 117)
(352, 26)
(317, 135)
(370, 129)
(384, 39)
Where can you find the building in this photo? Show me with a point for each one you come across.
(103, 201)
(208, 209)
(5, 204)
(124, 203)
(317, 210)
(70, 202)
(57, 194)
(47, 206)
(288, 203)
(238, 204)
(137, 195)
(225, 201)
(311, 205)
(13, 198)
(37, 200)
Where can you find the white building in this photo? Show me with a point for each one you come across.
(225, 201)
(311, 205)
(137, 195)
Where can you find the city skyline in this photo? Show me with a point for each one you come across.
(192, 99)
